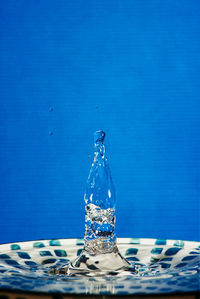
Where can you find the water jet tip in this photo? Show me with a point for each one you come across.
(99, 136)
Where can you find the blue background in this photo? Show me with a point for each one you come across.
(68, 68)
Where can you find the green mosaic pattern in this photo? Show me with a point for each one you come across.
(173, 267)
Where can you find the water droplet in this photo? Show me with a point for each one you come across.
(51, 133)
(51, 109)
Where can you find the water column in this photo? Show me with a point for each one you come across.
(100, 253)
(99, 203)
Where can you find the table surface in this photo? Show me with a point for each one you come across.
(23, 295)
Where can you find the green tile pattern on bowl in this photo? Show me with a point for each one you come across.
(45, 253)
(15, 247)
(38, 244)
(173, 267)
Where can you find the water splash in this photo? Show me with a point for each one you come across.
(100, 254)
(99, 203)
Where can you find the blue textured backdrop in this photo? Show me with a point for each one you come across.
(128, 67)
